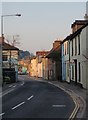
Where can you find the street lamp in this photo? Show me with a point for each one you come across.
(1, 44)
(2, 23)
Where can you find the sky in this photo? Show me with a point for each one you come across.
(41, 23)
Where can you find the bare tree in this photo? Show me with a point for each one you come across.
(13, 40)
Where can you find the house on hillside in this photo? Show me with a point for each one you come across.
(24, 65)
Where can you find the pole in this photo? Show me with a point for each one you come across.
(1, 47)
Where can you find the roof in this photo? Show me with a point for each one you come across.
(54, 52)
(7, 46)
(67, 38)
(78, 31)
(41, 53)
(79, 22)
(71, 36)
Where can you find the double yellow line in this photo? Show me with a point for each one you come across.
(74, 113)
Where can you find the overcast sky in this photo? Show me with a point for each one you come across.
(41, 23)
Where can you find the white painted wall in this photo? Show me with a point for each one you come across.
(80, 58)
(40, 69)
(84, 61)
(66, 60)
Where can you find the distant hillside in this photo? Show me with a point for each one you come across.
(24, 54)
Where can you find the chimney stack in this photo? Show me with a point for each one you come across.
(56, 43)
(86, 17)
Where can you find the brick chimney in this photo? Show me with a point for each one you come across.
(86, 17)
(78, 24)
(56, 43)
(1, 40)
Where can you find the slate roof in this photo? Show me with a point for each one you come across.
(7, 46)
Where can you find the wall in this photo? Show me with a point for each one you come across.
(80, 58)
(33, 72)
(63, 64)
(84, 60)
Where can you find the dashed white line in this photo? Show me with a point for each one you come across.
(2, 114)
(18, 105)
(10, 85)
(14, 86)
(22, 84)
(58, 105)
(30, 97)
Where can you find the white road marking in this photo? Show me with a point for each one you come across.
(2, 114)
(14, 86)
(7, 92)
(18, 105)
(58, 105)
(30, 97)
(22, 84)
(10, 85)
(0, 93)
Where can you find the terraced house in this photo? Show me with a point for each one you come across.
(54, 61)
(75, 54)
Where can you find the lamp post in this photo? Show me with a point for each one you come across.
(1, 45)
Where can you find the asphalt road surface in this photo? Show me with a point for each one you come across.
(36, 99)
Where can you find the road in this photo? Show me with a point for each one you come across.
(37, 99)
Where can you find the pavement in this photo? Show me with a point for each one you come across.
(76, 92)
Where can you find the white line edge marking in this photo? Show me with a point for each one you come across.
(7, 92)
(58, 105)
(18, 105)
(2, 114)
(30, 97)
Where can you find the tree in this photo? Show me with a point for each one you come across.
(13, 40)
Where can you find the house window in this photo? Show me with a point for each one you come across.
(68, 69)
(75, 46)
(65, 48)
(72, 72)
(68, 47)
(4, 57)
(72, 47)
(78, 44)
(79, 72)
